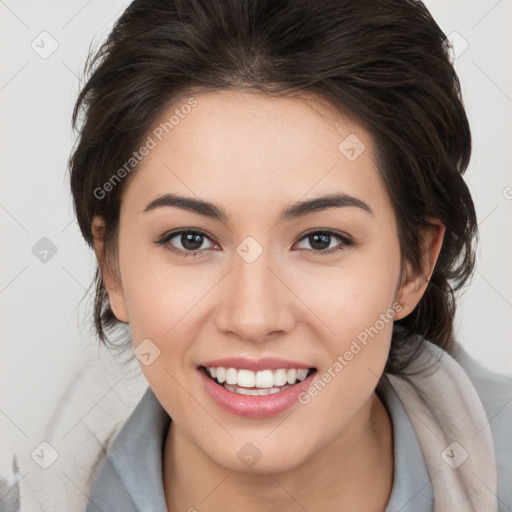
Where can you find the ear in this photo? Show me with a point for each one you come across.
(113, 285)
(413, 284)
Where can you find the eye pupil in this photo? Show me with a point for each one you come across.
(324, 239)
(191, 241)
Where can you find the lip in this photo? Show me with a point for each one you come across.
(255, 406)
(265, 363)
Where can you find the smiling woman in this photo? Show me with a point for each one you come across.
(285, 251)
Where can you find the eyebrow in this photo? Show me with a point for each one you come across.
(298, 209)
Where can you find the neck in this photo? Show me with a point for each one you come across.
(354, 472)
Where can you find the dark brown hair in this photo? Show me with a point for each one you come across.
(386, 63)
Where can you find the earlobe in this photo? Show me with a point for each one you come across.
(112, 284)
(415, 283)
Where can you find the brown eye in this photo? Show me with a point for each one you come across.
(185, 242)
(321, 241)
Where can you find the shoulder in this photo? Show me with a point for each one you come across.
(495, 392)
(494, 389)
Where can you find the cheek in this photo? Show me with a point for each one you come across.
(358, 307)
(160, 296)
(352, 296)
(164, 307)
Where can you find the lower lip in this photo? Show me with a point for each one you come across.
(254, 406)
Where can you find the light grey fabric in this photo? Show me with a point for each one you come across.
(130, 478)
(412, 490)
(91, 410)
(495, 392)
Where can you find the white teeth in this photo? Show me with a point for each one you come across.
(221, 373)
(263, 379)
(302, 373)
(231, 376)
(255, 391)
(280, 377)
(246, 379)
(291, 376)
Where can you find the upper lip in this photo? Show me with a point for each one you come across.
(265, 363)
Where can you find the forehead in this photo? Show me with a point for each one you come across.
(238, 147)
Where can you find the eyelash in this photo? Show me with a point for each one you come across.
(165, 241)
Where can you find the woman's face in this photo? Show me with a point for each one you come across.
(257, 286)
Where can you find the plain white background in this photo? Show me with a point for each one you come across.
(45, 335)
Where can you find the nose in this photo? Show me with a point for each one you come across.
(256, 302)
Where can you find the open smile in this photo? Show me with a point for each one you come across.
(255, 394)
